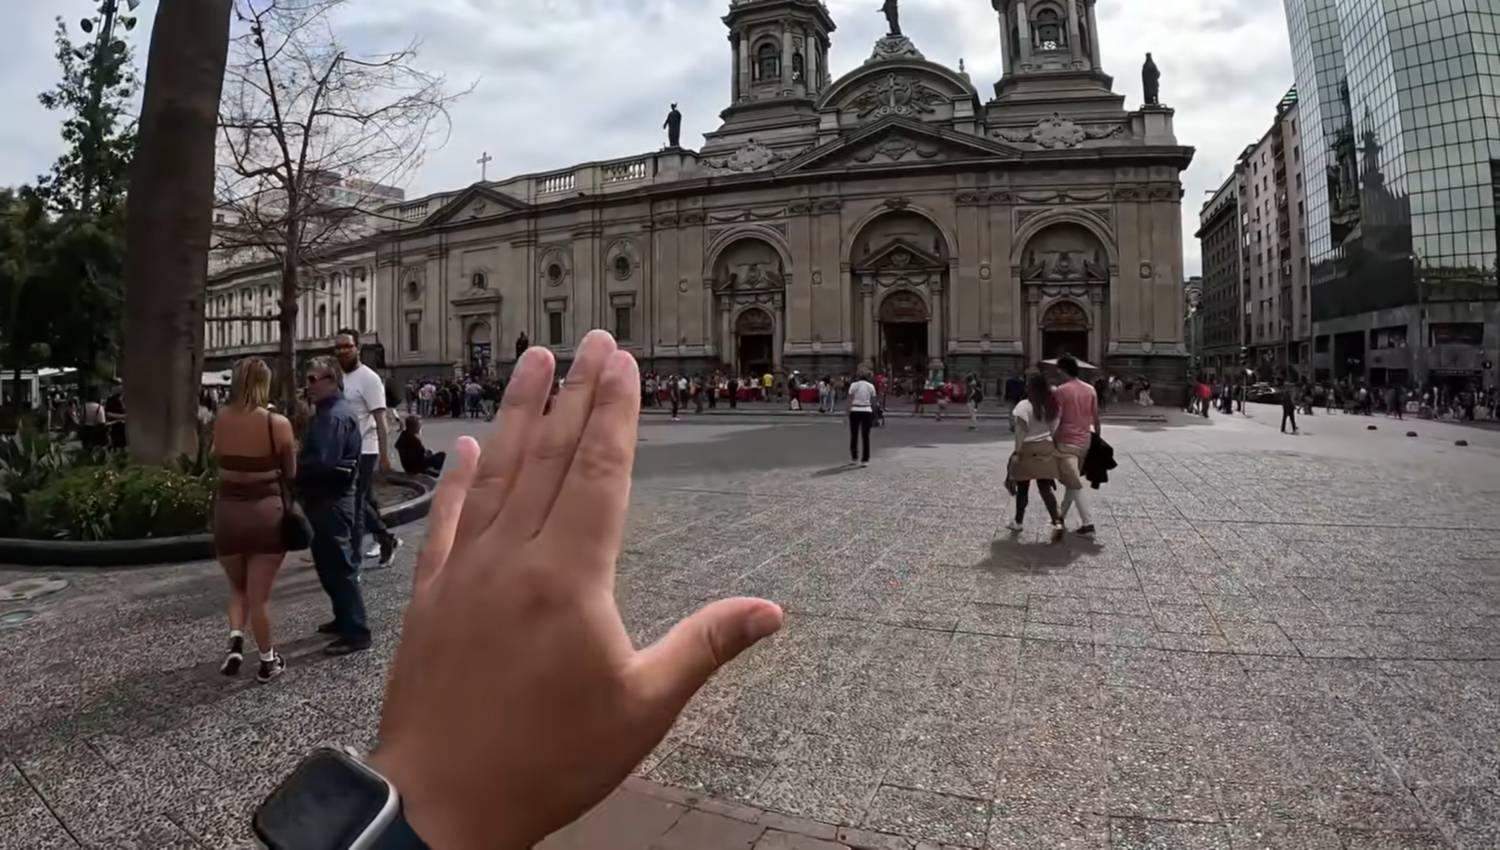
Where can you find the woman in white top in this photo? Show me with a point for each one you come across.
(1035, 457)
(861, 417)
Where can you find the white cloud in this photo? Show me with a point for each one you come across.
(565, 81)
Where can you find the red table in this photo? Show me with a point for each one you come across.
(807, 395)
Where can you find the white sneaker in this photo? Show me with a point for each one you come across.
(1014, 526)
(373, 551)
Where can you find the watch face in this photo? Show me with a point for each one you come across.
(328, 802)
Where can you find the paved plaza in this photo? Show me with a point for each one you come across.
(1274, 642)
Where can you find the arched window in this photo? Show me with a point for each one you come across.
(1049, 30)
(362, 315)
(322, 321)
(797, 68)
(767, 62)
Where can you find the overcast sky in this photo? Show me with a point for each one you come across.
(565, 81)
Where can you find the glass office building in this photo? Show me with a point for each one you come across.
(1402, 188)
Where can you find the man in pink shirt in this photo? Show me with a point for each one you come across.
(1077, 419)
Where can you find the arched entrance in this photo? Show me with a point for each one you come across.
(1066, 273)
(749, 281)
(754, 341)
(1065, 330)
(903, 334)
(479, 347)
(901, 263)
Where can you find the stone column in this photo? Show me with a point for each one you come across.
(1094, 55)
(734, 68)
(868, 351)
(936, 324)
(810, 70)
(1073, 28)
(743, 48)
(1007, 60)
(1024, 23)
(786, 55)
(731, 349)
(778, 331)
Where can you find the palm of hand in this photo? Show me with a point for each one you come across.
(517, 700)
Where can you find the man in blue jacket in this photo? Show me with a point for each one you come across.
(327, 468)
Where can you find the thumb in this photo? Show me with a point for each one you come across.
(675, 667)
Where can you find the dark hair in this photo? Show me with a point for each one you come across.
(1068, 364)
(349, 332)
(414, 424)
(1039, 393)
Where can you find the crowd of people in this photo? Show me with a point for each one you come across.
(1348, 395)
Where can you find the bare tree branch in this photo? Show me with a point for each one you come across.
(310, 132)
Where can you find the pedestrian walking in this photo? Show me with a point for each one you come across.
(1289, 407)
(364, 393)
(861, 418)
(973, 395)
(327, 479)
(675, 395)
(1034, 457)
(255, 451)
(734, 392)
(1077, 421)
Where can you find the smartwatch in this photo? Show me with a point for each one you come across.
(334, 801)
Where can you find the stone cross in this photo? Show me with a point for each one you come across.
(484, 165)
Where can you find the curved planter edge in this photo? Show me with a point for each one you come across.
(21, 553)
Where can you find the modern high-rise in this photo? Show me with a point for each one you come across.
(1401, 127)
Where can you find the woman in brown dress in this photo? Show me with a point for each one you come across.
(255, 449)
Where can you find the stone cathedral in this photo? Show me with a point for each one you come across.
(893, 217)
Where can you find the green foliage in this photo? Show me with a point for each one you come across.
(28, 459)
(94, 94)
(110, 503)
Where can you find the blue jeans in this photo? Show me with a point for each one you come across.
(365, 510)
(334, 521)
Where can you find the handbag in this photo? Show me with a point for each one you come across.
(296, 530)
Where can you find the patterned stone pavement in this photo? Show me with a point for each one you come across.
(1274, 642)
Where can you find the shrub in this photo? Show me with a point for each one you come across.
(28, 459)
(106, 503)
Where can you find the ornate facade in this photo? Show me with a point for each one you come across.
(891, 217)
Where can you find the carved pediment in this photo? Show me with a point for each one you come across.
(1065, 265)
(475, 202)
(900, 255)
(898, 140)
(903, 94)
(754, 277)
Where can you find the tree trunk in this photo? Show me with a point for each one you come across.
(168, 232)
(286, 363)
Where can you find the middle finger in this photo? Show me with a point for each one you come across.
(552, 443)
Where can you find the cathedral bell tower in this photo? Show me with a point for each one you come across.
(1051, 45)
(778, 53)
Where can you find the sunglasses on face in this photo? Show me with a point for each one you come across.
(313, 379)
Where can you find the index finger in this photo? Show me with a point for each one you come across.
(589, 514)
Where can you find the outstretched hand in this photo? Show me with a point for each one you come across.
(516, 701)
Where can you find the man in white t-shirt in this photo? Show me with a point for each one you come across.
(364, 392)
(861, 417)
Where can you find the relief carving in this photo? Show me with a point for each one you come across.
(896, 95)
(895, 148)
(1065, 265)
(1058, 132)
(798, 208)
(830, 205)
(692, 217)
(749, 157)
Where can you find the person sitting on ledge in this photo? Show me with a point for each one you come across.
(415, 458)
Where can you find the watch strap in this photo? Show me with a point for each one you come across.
(399, 835)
